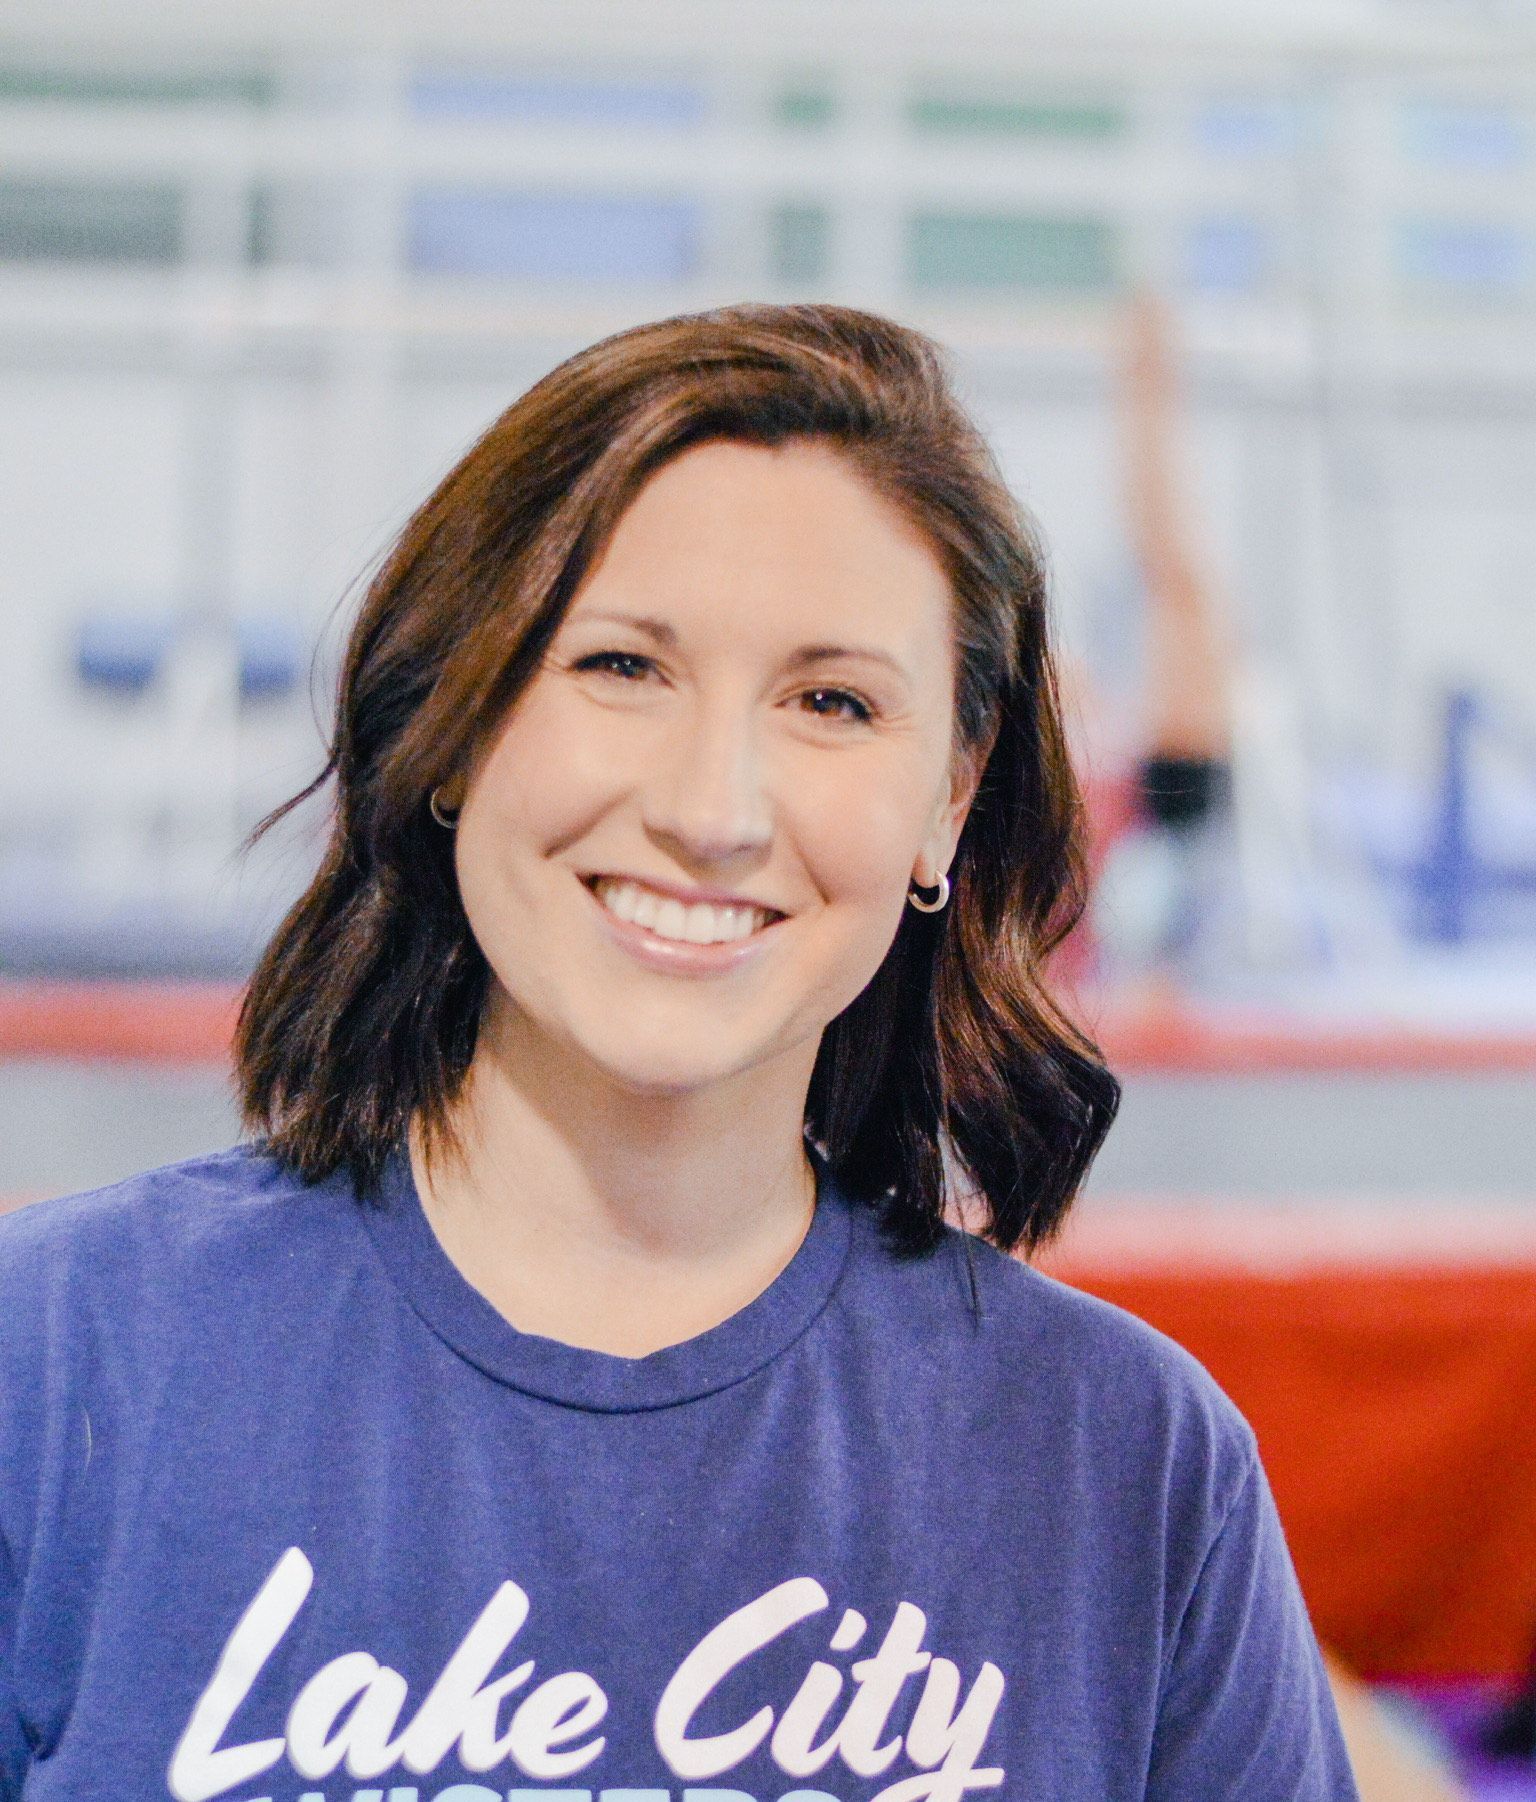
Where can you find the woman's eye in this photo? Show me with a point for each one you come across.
(842, 697)
(608, 659)
(630, 666)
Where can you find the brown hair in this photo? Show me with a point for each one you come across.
(363, 1010)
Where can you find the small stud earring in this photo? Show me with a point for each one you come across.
(434, 807)
(930, 907)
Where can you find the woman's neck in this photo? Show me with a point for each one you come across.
(614, 1222)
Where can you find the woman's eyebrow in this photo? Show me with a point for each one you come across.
(810, 655)
(656, 629)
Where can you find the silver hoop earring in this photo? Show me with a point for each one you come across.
(930, 907)
(450, 820)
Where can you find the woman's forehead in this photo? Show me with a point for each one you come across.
(731, 529)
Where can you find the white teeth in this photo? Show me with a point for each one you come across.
(621, 898)
(671, 921)
(700, 924)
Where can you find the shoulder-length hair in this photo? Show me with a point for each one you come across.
(363, 1010)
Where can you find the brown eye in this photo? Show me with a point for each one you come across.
(607, 659)
(837, 703)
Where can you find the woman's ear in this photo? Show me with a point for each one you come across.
(965, 778)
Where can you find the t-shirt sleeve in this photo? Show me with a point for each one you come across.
(1245, 1711)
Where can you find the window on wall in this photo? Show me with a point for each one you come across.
(1011, 252)
(1228, 255)
(565, 237)
(89, 222)
(1068, 119)
(555, 99)
(1466, 134)
(1465, 259)
(1243, 126)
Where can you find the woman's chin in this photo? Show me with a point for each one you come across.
(658, 1060)
(645, 1050)
(666, 1072)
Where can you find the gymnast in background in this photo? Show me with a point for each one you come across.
(1164, 859)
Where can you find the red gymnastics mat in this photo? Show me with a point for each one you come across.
(190, 1022)
(1385, 1355)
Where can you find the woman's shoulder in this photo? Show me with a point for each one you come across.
(167, 1230)
(1051, 1315)
(1045, 1359)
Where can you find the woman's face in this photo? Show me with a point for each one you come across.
(750, 700)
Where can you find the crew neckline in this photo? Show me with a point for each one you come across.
(605, 1382)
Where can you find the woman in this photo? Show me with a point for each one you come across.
(576, 1390)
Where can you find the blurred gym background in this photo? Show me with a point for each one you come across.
(1245, 298)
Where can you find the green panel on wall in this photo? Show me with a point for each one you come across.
(975, 116)
(800, 243)
(119, 87)
(1011, 251)
(805, 105)
(89, 222)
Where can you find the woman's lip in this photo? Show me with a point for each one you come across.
(679, 956)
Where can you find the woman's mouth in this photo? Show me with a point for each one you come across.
(665, 917)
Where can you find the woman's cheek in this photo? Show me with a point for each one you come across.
(869, 833)
(540, 777)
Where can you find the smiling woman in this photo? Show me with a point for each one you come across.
(635, 632)
(577, 1377)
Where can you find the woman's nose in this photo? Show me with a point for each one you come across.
(708, 797)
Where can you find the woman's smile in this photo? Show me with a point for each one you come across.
(701, 921)
(700, 939)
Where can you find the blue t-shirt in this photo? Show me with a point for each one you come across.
(288, 1510)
